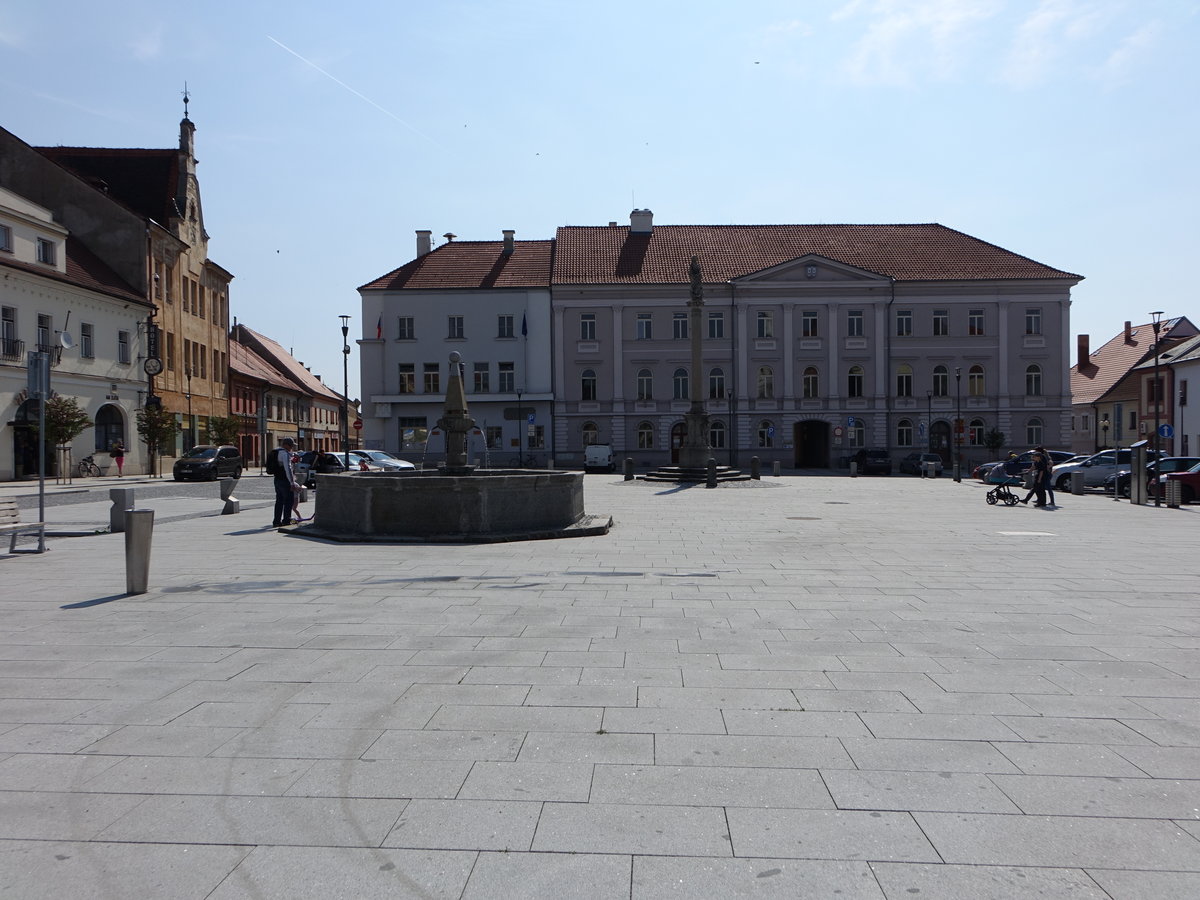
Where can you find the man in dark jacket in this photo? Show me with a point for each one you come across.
(285, 483)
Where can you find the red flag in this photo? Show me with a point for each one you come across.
(379, 329)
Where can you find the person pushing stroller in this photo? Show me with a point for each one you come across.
(1005, 476)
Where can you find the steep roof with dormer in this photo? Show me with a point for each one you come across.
(1106, 367)
(283, 362)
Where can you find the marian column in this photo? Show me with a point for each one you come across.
(695, 452)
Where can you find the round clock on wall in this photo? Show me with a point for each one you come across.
(153, 365)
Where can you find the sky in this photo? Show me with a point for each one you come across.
(327, 134)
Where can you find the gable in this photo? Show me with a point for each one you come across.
(809, 268)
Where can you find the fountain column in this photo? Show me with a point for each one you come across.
(695, 452)
(455, 421)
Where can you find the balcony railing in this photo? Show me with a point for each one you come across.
(54, 351)
(12, 350)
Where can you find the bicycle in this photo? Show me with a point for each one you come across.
(87, 466)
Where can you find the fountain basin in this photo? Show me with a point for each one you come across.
(484, 506)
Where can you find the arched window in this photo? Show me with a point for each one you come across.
(645, 436)
(904, 433)
(679, 385)
(1033, 432)
(110, 427)
(854, 382)
(587, 385)
(766, 434)
(591, 434)
(811, 384)
(1033, 381)
(941, 381)
(645, 385)
(904, 380)
(976, 385)
(975, 433)
(716, 384)
(766, 383)
(716, 434)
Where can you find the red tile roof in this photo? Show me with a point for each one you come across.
(284, 362)
(245, 362)
(930, 252)
(147, 181)
(1107, 366)
(465, 265)
(84, 269)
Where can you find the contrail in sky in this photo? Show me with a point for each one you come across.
(357, 94)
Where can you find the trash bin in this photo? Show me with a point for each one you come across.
(139, 530)
(1174, 493)
(1077, 482)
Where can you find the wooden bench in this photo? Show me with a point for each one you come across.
(10, 523)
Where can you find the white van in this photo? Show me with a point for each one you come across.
(597, 458)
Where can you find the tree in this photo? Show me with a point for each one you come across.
(994, 440)
(65, 420)
(156, 426)
(224, 429)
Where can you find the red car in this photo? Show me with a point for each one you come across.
(1189, 488)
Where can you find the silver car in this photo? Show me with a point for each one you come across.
(1096, 468)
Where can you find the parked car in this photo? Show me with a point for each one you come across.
(877, 462)
(1189, 487)
(1096, 468)
(1057, 457)
(598, 458)
(313, 463)
(206, 462)
(914, 463)
(380, 460)
(1119, 482)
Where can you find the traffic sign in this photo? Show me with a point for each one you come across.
(358, 424)
(1165, 430)
(532, 418)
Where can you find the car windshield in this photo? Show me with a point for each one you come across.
(382, 454)
(201, 453)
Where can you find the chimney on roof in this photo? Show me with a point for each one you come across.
(424, 242)
(1128, 332)
(449, 236)
(508, 241)
(641, 221)
(612, 224)
(1083, 345)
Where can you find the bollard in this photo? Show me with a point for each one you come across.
(1173, 491)
(1077, 482)
(628, 469)
(958, 473)
(550, 463)
(122, 500)
(139, 529)
(775, 466)
(853, 469)
(711, 482)
(232, 504)
(755, 468)
(931, 470)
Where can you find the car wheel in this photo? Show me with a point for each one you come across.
(237, 473)
(1063, 485)
(177, 478)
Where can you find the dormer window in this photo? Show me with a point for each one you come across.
(46, 252)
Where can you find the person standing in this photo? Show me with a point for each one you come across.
(118, 456)
(1049, 476)
(285, 482)
(1040, 473)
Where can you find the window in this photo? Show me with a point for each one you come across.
(976, 385)
(109, 427)
(1033, 320)
(679, 326)
(454, 327)
(1154, 391)
(587, 385)
(1033, 381)
(46, 252)
(170, 351)
(202, 356)
(941, 381)
(5, 238)
(8, 332)
(716, 384)
(483, 374)
(904, 322)
(644, 331)
(507, 376)
(494, 435)
(904, 433)
(645, 436)
(766, 383)
(1133, 423)
(857, 434)
(87, 343)
(854, 323)
(679, 385)
(587, 327)
(766, 434)
(504, 326)
(766, 324)
(808, 324)
(645, 385)
(975, 322)
(1033, 432)
(123, 347)
(941, 322)
(855, 382)
(433, 378)
(537, 437)
(408, 379)
(405, 330)
(716, 435)
(44, 327)
(810, 384)
(904, 380)
(591, 434)
(975, 433)
(716, 325)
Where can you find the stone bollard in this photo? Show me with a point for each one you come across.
(139, 530)
(755, 468)
(712, 473)
(550, 463)
(775, 467)
(122, 500)
(232, 504)
(1077, 482)
(853, 469)
(628, 469)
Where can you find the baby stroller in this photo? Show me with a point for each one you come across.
(1002, 492)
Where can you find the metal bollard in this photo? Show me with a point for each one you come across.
(775, 466)
(712, 473)
(931, 470)
(550, 462)
(853, 469)
(1173, 492)
(122, 501)
(139, 529)
(1077, 482)
(628, 469)
(755, 468)
(232, 504)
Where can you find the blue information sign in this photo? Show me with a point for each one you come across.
(1166, 431)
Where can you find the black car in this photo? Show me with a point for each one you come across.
(205, 462)
(877, 462)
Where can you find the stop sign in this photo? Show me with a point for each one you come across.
(358, 424)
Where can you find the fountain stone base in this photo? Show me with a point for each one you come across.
(485, 506)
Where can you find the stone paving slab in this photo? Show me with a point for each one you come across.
(800, 687)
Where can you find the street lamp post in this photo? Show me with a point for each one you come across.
(929, 421)
(346, 390)
(520, 427)
(1156, 321)
(1104, 426)
(958, 423)
(187, 373)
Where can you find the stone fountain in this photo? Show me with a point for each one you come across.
(455, 503)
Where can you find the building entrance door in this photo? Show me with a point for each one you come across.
(811, 440)
(939, 440)
(678, 433)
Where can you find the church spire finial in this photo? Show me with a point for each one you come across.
(186, 98)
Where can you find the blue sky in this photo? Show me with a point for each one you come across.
(1064, 130)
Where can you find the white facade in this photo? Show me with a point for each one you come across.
(41, 299)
